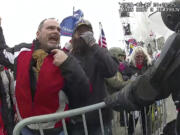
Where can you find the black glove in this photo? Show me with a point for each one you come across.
(88, 37)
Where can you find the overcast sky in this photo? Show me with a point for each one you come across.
(20, 18)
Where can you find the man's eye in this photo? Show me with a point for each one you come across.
(50, 28)
(58, 29)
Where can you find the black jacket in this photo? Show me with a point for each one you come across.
(98, 65)
(7, 109)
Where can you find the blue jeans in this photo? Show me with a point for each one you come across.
(27, 131)
(78, 129)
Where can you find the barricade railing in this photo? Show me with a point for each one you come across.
(154, 120)
(60, 116)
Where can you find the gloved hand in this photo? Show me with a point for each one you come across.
(133, 77)
(88, 37)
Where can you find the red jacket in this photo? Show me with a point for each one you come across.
(48, 88)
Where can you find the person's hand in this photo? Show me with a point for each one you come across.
(59, 57)
(133, 77)
(88, 37)
(67, 47)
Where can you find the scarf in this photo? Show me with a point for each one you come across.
(139, 66)
(38, 56)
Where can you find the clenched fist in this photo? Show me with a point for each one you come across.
(59, 57)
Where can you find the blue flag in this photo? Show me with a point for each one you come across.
(67, 25)
(78, 14)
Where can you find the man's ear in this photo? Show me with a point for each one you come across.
(37, 34)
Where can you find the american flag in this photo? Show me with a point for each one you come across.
(102, 38)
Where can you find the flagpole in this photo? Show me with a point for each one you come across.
(73, 10)
(100, 25)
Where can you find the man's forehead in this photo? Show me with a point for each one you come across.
(51, 22)
(83, 27)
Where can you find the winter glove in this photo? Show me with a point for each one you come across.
(88, 38)
(133, 77)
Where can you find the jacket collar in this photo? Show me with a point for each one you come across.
(35, 45)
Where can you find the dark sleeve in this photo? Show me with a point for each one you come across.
(5, 57)
(7, 54)
(133, 96)
(76, 82)
(106, 64)
(2, 39)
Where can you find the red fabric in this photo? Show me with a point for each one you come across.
(121, 67)
(2, 132)
(90, 87)
(5, 68)
(139, 66)
(65, 50)
(22, 91)
(50, 82)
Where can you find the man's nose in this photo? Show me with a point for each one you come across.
(56, 30)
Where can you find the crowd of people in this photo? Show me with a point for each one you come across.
(41, 78)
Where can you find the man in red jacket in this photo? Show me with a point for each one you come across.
(44, 75)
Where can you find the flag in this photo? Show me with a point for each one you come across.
(78, 14)
(67, 25)
(102, 38)
(131, 43)
(127, 30)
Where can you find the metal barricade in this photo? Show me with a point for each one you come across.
(61, 116)
(117, 127)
